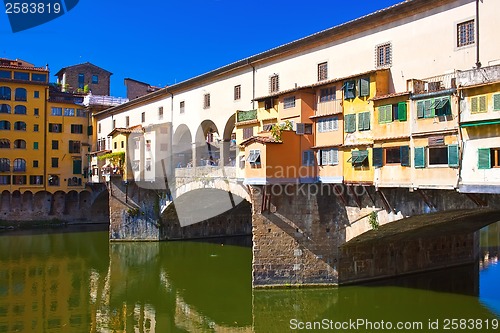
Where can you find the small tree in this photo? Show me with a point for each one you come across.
(278, 128)
(116, 158)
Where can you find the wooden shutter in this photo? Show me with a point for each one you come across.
(419, 157)
(364, 87)
(428, 110)
(483, 104)
(350, 90)
(453, 156)
(334, 156)
(496, 102)
(300, 128)
(484, 158)
(404, 152)
(378, 157)
(402, 114)
(361, 122)
(350, 123)
(366, 121)
(77, 167)
(474, 105)
(324, 157)
(420, 109)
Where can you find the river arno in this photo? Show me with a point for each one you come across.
(76, 281)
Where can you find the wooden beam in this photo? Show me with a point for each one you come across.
(355, 196)
(426, 199)
(386, 203)
(339, 193)
(477, 200)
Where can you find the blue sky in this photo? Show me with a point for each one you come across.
(163, 42)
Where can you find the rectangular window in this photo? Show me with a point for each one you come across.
(206, 101)
(35, 128)
(350, 123)
(349, 89)
(5, 74)
(328, 125)
(35, 145)
(438, 155)
(55, 145)
(55, 162)
(69, 112)
(364, 87)
(359, 158)
(247, 132)
(488, 158)
(19, 180)
(181, 107)
(308, 158)
(115, 145)
(127, 121)
(327, 94)
(289, 102)
(36, 94)
(364, 121)
(322, 71)
(254, 158)
(77, 167)
(21, 76)
(392, 155)
(143, 117)
(465, 33)
(237, 92)
(95, 79)
(433, 107)
(274, 83)
(328, 156)
(39, 77)
(99, 128)
(478, 104)
(36, 180)
(80, 112)
(36, 111)
(303, 128)
(35, 164)
(122, 144)
(74, 147)
(56, 111)
(148, 145)
(160, 113)
(76, 129)
(81, 80)
(4, 180)
(384, 55)
(496, 102)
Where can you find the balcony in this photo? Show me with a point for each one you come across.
(483, 75)
(103, 100)
(328, 108)
(246, 115)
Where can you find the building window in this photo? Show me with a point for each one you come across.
(35, 145)
(95, 79)
(350, 89)
(274, 83)
(465, 33)
(20, 126)
(289, 102)
(237, 92)
(206, 101)
(4, 180)
(4, 165)
(20, 109)
(488, 158)
(54, 179)
(36, 111)
(328, 124)
(35, 164)
(36, 180)
(99, 128)
(115, 145)
(80, 112)
(437, 156)
(148, 145)
(55, 145)
(143, 117)
(39, 77)
(19, 144)
(430, 108)
(76, 129)
(4, 143)
(392, 155)
(69, 112)
(36, 94)
(350, 123)
(4, 125)
(81, 80)
(254, 158)
(364, 121)
(308, 158)
(384, 55)
(56, 111)
(19, 180)
(359, 158)
(127, 121)
(19, 165)
(392, 112)
(74, 147)
(21, 94)
(55, 128)
(5, 74)
(122, 144)
(478, 104)
(5, 93)
(35, 128)
(303, 128)
(160, 113)
(328, 156)
(364, 87)
(181, 107)
(21, 76)
(5, 108)
(322, 71)
(247, 132)
(327, 94)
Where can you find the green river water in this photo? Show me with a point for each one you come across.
(74, 280)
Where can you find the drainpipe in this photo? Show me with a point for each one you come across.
(253, 84)
(478, 63)
(44, 126)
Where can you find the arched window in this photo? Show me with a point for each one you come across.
(4, 125)
(19, 164)
(4, 165)
(20, 109)
(4, 108)
(5, 93)
(4, 143)
(20, 126)
(20, 144)
(53, 180)
(21, 94)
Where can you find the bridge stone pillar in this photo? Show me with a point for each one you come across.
(194, 154)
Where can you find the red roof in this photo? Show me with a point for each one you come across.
(260, 139)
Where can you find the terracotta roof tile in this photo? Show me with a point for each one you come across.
(259, 139)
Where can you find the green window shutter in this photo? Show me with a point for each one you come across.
(484, 158)
(89, 130)
(453, 156)
(496, 102)
(354, 156)
(381, 114)
(474, 106)
(483, 104)
(428, 109)
(419, 157)
(420, 109)
(77, 167)
(349, 89)
(350, 123)
(402, 114)
(364, 87)
(404, 152)
(378, 157)
(361, 122)
(35, 145)
(366, 121)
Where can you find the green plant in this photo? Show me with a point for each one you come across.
(277, 129)
(86, 89)
(133, 212)
(116, 158)
(373, 220)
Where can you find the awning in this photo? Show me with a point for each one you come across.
(254, 156)
(480, 123)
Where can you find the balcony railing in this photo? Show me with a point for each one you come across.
(328, 108)
(103, 100)
(246, 115)
(478, 76)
